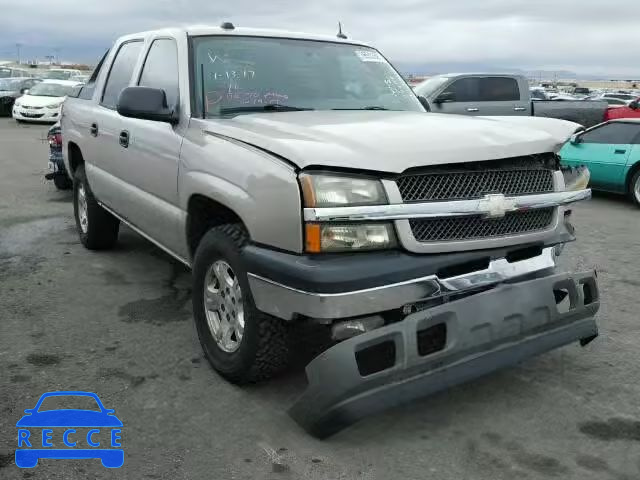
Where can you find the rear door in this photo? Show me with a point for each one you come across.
(490, 95)
(105, 173)
(149, 161)
(605, 150)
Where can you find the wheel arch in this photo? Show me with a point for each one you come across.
(632, 171)
(74, 154)
(204, 213)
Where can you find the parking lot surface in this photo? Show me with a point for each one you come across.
(119, 324)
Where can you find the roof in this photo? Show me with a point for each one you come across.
(197, 30)
(478, 74)
(69, 83)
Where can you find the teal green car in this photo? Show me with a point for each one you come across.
(611, 151)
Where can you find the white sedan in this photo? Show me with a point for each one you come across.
(43, 102)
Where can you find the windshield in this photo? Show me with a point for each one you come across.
(429, 86)
(51, 90)
(8, 84)
(58, 75)
(69, 402)
(248, 73)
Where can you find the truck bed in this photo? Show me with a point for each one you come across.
(585, 112)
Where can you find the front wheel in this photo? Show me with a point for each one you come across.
(240, 342)
(634, 188)
(98, 229)
(62, 182)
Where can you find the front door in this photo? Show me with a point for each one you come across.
(150, 152)
(605, 150)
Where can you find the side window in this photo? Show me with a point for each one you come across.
(464, 90)
(121, 72)
(499, 89)
(614, 133)
(86, 92)
(160, 69)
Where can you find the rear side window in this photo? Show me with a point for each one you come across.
(161, 69)
(121, 72)
(613, 133)
(86, 92)
(499, 89)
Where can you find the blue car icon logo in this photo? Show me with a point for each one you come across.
(87, 431)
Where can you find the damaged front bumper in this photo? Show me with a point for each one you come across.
(439, 347)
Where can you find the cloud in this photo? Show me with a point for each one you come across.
(585, 36)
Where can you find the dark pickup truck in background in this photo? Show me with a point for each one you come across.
(502, 95)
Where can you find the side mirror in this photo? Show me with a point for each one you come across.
(24, 91)
(575, 139)
(145, 103)
(634, 105)
(445, 97)
(425, 103)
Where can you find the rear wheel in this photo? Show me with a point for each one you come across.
(634, 188)
(98, 229)
(240, 342)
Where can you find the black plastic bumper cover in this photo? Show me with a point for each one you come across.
(485, 332)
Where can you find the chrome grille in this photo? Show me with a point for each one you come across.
(517, 176)
(477, 227)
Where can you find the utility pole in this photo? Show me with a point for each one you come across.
(18, 45)
(57, 51)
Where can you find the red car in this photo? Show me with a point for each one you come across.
(627, 111)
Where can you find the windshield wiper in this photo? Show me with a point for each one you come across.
(371, 107)
(272, 107)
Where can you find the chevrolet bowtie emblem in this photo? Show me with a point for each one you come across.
(496, 205)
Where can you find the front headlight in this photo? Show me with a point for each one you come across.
(329, 237)
(53, 105)
(327, 190)
(575, 178)
(322, 190)
(16, 103)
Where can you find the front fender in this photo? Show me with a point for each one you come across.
(262, 190)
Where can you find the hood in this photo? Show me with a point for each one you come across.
(386, 141)
(562, 129)
(36, 101)
(69, 418)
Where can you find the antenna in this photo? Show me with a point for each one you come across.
(340, 34)
(204, 101)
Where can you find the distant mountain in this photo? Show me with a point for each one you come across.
(473, 67)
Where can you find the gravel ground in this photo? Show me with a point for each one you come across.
(119, 324)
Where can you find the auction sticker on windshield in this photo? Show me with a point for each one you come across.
(69, 425)
(369, 56)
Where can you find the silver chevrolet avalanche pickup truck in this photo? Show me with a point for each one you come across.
(305, 185)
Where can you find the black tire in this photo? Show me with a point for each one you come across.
(634, 188)
(264, 349)
(102, 227)
(19, 121)
(62, 182)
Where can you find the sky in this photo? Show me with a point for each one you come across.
(592, 37)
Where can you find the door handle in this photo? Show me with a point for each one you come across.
(124, 138)
(619, 151)
(94, 130)
(519, 109)
(473, 109)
